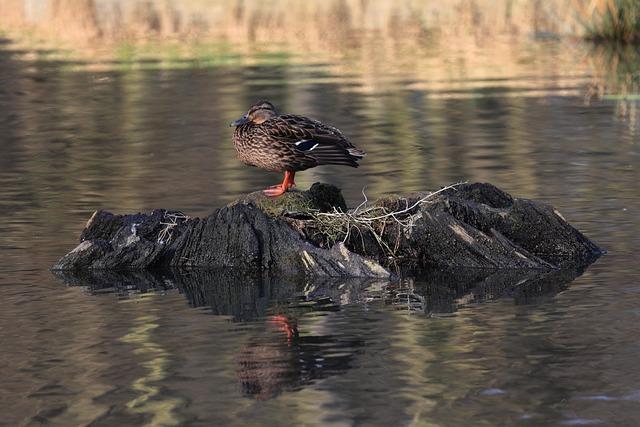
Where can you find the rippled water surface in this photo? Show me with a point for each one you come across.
(212, 348)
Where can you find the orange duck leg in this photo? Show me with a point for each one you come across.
(280, 189)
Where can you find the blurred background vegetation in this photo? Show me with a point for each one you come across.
(86, 20)
(318, 25)
(369, 36)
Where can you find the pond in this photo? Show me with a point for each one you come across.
(547, 121)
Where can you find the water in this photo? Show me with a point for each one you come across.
(218, 349)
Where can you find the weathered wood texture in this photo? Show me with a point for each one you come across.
(472, 225)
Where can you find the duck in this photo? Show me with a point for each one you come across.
(289, 143)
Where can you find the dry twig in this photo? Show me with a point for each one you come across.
(338, 225)
(172, 220)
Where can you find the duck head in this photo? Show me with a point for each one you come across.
(258, 113)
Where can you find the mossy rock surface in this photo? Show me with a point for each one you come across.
(320, 197)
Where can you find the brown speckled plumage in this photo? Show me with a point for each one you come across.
(274, 142)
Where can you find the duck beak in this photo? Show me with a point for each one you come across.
(240, 121)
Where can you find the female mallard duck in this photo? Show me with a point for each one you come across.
(288, 143)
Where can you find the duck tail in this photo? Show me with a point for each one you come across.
(333, 154)
(356, 152)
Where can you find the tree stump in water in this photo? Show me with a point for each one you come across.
(311, 233)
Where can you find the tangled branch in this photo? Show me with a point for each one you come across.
(339, 225)
(171, 220)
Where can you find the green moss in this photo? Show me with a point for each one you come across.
(292, 201)
(320, 197)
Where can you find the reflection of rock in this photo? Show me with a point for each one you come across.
(445, 291)
(242, 295)
(246, 296)
(121, 283)
(275, 360)
(472, 225)
(233, 293)
(278, 357)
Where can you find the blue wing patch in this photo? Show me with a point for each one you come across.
(306, 145)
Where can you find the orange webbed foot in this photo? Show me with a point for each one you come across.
(274, 191)
(278, 190)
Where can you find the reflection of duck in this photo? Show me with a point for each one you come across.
(281, 359)
(289, 143)
(287, 325)
(267, 364)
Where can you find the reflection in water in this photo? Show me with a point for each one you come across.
(617, 78)
(242, 295)
(445, 292)
(149, 401)
(284, 360)
(278, 356)
(246, 296)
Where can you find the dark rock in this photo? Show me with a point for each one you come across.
(84, 256)
(244, 236)
(471, 225)
(477, 226)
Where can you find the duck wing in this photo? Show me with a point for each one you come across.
(312, 141)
